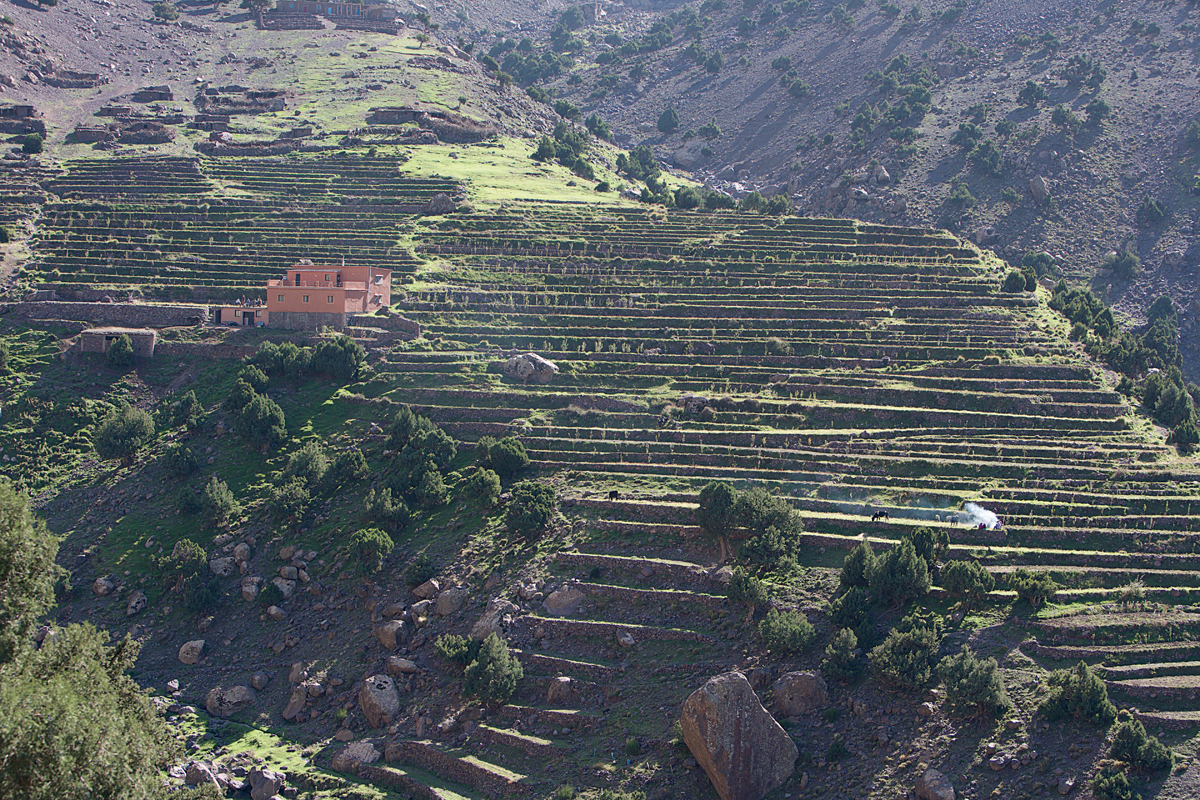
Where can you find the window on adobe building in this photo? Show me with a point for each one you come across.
(306, 298)
(327, 279)
(281, 298)
(329, 299)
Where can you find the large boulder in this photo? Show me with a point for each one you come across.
(564, 601)
(379, 700)
(190, 652)
(353, 754)
(296, 703)
(222, 567)
(225, 702)
(397, 666)
(1040, 189)
(136, 603)
(428, 590)
(933, 785)
(497, 614)
(799, 693)
(265, 783)
(450, 601)
(530, 366)
(391, 633)
(741, 747)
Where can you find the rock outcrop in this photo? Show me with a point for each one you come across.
(741, 747)
(933, 785)
(379, 700)
(799, 693)
(225, 702)
(530, 366)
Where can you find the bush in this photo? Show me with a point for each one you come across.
(973, 684)
(1014, 282)
(123, 433)
(669, 120)
(747, 589)
(858, 566)
(840, 662)
(165, 10)
(381, 510)
(6, 235)
(492, 676)
(1142, 752)
(218, 502)
(850, 610)
(907, 656)
(786, 632)
(420, 570)
(368, 548)
(456, 649)
(179, 461)
(1111, 783)
(900, 575)
(717, 513)
(339, 357)
(260, 423)
(967, 580)
(506, 457)
(431, 491)
(201, 592)
(289, 501)
(1034, 588)
(1125, 265)
(531, 509)
(31, 144)
(350, 466)
(1079, 693)
(307, 465)
(485, 485)
(773, 526)
(1150, 212)
(186, 411)
(120, 352)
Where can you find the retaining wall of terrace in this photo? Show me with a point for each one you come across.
(122, 314)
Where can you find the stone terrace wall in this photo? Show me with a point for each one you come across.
(201, 350)
(121, 314)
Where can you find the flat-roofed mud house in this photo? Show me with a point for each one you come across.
(98, 340)
(309, 297)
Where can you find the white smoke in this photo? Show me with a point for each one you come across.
(977, 515)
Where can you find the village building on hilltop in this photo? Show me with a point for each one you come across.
(311, 296)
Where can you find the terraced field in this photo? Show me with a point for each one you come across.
(181, 227)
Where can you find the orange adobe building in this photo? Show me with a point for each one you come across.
(310, 296)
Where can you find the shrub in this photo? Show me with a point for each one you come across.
(747, 589)
(218, 502)
(307, 465)
(123, 433)
(288, 502)
(420, 570)
(858, 566)
(31, 144)
(1191, 136)
(260, 423)
(185, 560)
(1111, 783)
(186, 411)
(1034, 588)
(900, 575)
(1080, 693)
(201, 592)
(506, 457)
(1031, 94)
(381, 510)
(179, 461)
(338, 357)
(485, 485)
(350, 466)
(907, 656)
(929, 545)
(669, 120)
(1014, 282)
(786, 632)
(633, 747)
(1150, 212)
(840, 662)
(165, 10)
(850, 610)
(1142, 752)
(531, 509)
(492, 676)
(6, 235)
(967, 580)
(368, 548)
(1097, 111)
(1126, 265)
(973, 683)
(120, 352)
(456, 649)
(717, 513)
(270, 595)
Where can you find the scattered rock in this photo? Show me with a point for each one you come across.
(250, 586)
(260, 679)
(926, 710)
(997, 763)
(379, 700)
(355, 753)
(743, 750)
(103, 586)
(265, 783)
(1040, 189)
(225, 702)
(391, 633)
(297, 674)
(428, 590)
(625, 639)
(530, 366)
(136, 604)
(441, 203)
(190, 652)
(397, 666)
(495, 617)
(198, 774)
(344, 735)
(799, 693)
(296, 702)
(450, 601)
(564, 602)
(222, 567)
(286, 588)
(933, 785)
(561, 691)
(276, 613)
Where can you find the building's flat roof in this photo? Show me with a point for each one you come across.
(119, 331)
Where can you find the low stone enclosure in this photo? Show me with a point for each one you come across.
(99, 340)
